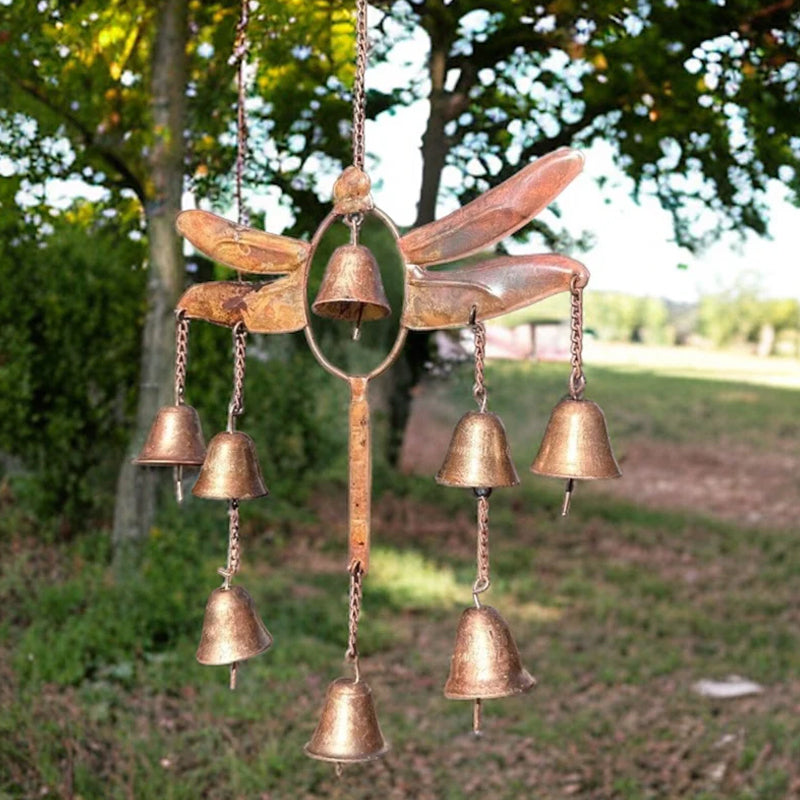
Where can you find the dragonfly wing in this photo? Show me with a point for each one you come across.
(495, 214)
(277, 307)
(245, 249)
(220, 302)
(444, 299)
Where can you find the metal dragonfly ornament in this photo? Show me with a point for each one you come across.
(486, 662)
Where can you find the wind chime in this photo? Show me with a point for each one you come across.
(486, 662)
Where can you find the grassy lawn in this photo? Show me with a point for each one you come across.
(617, 610)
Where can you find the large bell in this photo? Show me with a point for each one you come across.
(576, 443)
(231, 470)
(175, 439)
(485, 662)
(351, 287)
(478, 456)
(232, 630)
(348, 728)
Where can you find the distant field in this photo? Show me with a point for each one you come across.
(694, 362)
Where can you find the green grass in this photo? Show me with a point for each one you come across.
(617, 610)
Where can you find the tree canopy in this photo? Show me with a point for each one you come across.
(700, 99)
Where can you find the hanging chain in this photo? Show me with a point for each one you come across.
(359, 93)
(239, 57)
(181, 354)
(479, 388)
(482, 582)
(236, 407)
(577, 380)
(234, 550)
(351, 654)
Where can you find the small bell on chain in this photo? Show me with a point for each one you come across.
(231, 470)
(576, 445)
(348, 729)
(232, 630)
(175, 438)
(479, 455)
(351, 288)
(485, 663)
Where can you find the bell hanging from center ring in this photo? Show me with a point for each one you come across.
(485, 661)
(232, 630)
(231, 470)
(479, 455)
(351, 287)
(175, 439)
(348, 729)
(576, 443)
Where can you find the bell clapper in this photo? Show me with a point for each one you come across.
(178, 474)
(477, 718)
(234, 668)
(568, 497)
(357, 327)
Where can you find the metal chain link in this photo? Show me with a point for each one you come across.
(359, 93)
(234, 550)
(479, 387)
(577, 380)
(236, 407)
(482, 582)
(356, 588)
(239, 57)
(181, 354)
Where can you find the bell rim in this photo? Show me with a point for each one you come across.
(163, 462)
(261, 651)
(528, 680)
(567, 476)
(350, 759)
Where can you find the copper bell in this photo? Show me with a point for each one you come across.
(232, 630)
(478, 455)
(351, 288)
(175, 439)
(231, 470)
(485, 662)
(576, 443)
(348, 729)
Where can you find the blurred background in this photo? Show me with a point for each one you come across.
(114, 116)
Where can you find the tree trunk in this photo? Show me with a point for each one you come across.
(135, 503)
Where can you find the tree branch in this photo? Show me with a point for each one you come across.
(129, 179)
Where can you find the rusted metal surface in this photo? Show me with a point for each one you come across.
(360, 482)
(485, 662)
(277, 307)
(246, 249)
(232, 630)
(348, 729)
(478, 455)
(351, 192)
(219, 302)
(443, 298)
(495, 214)
(352, 288)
